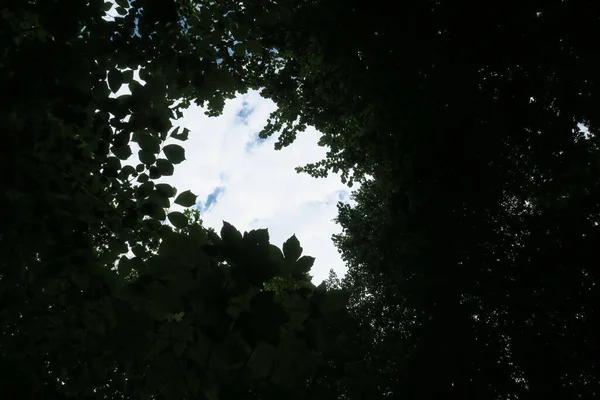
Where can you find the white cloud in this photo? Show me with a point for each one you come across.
(243, 180)
(254, 186)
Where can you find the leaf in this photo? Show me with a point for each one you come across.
(126, 172)
(160, 200)
(322, 288)
(121, 11)
(145, 189)
(115, 80)
(159, 213)
(154, 172)
(257, 237)
(213, 237)
(292, 249)
(148, 142)
(183, 136)
(107, 6)
(146, 157)
(153, 210)
(303, 265)
(186, 199)
(144, 75)
(134, 86)
(128, 76)
(165, 167)
(165, 189)
(142, 178)
(113, 163)
(123, 3)
(174, 153)
(231, 236)
(261, 360)
(123, 153)
(178, 219)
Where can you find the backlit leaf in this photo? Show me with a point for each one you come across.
(166, 189)
(230, 235)
(178, 219)
(183, 136)
(303, 265)
(115, 80)
(146, 157)
(165, 167)
(174, 153)
(292, 249)
(122, 153)
(186, 199)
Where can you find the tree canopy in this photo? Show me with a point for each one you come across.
(474, 132)
(101, 298)
(472, 129)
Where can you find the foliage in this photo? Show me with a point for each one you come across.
(186, 315)
(470, 249)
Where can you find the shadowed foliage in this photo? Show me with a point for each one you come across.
(471, 128)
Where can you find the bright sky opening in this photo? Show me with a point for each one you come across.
(242, 179)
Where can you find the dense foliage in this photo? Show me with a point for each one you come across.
(473, 130)
(100, 297)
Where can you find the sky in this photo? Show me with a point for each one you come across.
(243, 180)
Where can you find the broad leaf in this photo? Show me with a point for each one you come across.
(303, 265)
(115, 80)
(183, 136)
(148, 142)
(154, 172)
(146, 157)
(122, 153)
(174, 153)
(166, 189)
(292, 249)
(231, 236)
(165, 167)
(261, 360)
(186, 199)
(178, 219)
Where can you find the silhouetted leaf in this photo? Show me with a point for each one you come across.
(165, 167)
(115, 80)
(122, 153)
(186, 199)
(174, 153)
(292, 249)
(178, 219)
